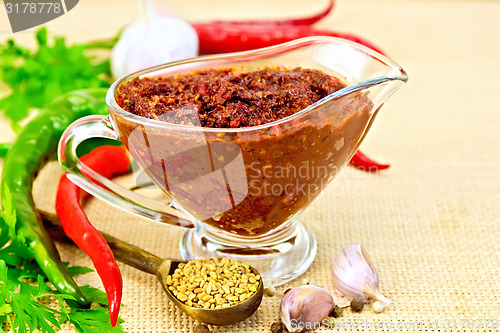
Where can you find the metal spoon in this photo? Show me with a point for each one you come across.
(152, 264)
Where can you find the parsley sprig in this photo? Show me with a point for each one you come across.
(24, 293)
(29, 80)
(34, 78)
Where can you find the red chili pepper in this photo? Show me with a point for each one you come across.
(219, 37)
(222, 37)
(363, 162)
(287, 22)
(108, 161)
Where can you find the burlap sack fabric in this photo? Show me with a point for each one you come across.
(431, 223)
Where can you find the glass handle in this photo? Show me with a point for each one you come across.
(101, 187)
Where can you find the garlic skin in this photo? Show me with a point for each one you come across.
(305, 307)
(152, 41)
(355, 276)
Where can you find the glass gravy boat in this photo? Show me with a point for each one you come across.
(239, 191)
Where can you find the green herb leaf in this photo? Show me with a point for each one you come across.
(78, 270)
(4, 233)
(23, 293)
(5, 309)
(8, 213)
(94, 321)
(95, 295)
(34, 78)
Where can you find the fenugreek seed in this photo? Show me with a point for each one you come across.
(270, 291)
(329, 322)
(218, 282)
(226, 289)
(206, 306)
(201, 329)
(169, 279)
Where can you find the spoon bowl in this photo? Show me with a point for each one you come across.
(147, 262)
(221, 317)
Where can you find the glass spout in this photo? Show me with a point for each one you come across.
(361, 68)
(371, 78)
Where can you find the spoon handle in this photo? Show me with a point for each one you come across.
(127, 253)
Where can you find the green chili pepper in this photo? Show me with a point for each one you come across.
(37, 143)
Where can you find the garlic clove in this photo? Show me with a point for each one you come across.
(152, 41)
(305, 307)
(355, 276)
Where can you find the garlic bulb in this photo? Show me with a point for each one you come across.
(305, 307)
(151, 41)
(355, 276)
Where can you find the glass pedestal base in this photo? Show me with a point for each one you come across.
(277, 262)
